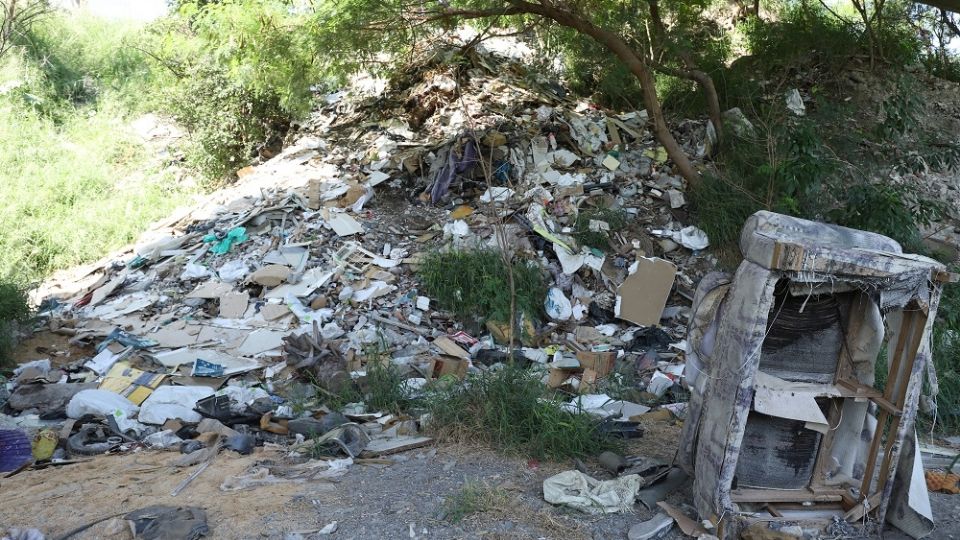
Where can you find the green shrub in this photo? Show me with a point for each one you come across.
(227, 122)
(476, 283)
(14, 309)
(236, 75)
(507, 409)
(886, 209)
(600, 239)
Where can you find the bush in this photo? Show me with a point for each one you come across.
(237, 75)
(476, 284)
(508, 410)
(227, 122)
(14, 309)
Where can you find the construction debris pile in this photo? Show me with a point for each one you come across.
(244, 314)
(257, 316)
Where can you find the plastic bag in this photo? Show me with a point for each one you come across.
(557, 305)
(162, 439)
(100, 403)
(169, 402)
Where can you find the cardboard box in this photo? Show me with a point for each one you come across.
(588, 382)
(558, 376)
(600, 362)
(448, 365)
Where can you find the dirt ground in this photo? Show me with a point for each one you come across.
(405, 499)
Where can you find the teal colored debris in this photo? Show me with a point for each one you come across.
(223, 245)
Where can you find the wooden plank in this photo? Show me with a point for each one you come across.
(892, 379)
(786, 495)
(857, 512)
(856, 389)
(385, 447)
(919, 319)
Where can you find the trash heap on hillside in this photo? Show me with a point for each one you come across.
(250, 309)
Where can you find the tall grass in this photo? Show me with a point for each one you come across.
(73, 173)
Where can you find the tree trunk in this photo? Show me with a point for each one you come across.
(691, 72)
(616, 45)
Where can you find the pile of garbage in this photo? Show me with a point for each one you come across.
(231, 323)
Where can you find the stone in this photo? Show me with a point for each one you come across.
(47, 399)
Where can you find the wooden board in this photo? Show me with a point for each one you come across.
(385, 447)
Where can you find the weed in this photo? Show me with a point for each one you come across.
(474, 283)
(14, 309)
(472, 498)
(596, 236)
(386, 389)
(508, 410)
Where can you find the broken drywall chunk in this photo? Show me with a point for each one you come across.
(270, 275)
(272, 312)
(343, 224)
(261, 341)
(312, 280)
(644, 293)
(210, 290)
(234, 304)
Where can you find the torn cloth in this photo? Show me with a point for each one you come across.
(455, 165)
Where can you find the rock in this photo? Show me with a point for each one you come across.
(47, 399)
(613, 463)
(656, 527)
(736, 122)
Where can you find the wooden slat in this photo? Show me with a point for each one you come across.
(919, 322)
(786, 495)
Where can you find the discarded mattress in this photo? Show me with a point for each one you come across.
(781, 362)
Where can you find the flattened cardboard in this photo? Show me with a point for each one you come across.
(131, 383)
(233, 305)
(558, 376)
(643, 295)
(448, 346)
(588, 381)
